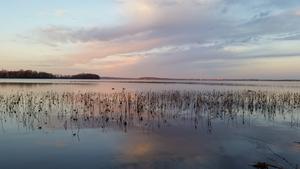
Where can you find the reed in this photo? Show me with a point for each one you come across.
(145, 109)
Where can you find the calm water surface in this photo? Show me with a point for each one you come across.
(133, 125)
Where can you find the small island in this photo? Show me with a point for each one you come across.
(30, 74)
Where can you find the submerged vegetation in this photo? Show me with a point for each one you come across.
(29, 74)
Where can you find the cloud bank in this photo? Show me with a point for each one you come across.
(187, 38)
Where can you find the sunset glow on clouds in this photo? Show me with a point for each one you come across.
(165, 38)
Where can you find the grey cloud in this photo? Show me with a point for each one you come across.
(184, 27)
(63, 34)
(282, 23)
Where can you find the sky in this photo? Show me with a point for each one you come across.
(161, 38)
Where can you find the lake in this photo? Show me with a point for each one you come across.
(140, 124)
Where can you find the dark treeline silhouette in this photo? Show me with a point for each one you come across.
(29, 74)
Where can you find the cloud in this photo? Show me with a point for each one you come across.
(193, 33)
(99, 50)
(70, 35)
(144, 16)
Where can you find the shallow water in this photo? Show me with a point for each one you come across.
(71, 124)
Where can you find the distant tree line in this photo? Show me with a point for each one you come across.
(29, 74)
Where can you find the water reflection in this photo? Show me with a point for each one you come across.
(154, 129)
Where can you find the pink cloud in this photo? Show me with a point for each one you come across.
(100, 50)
